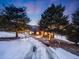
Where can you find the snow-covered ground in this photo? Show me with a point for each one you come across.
(29, 48)
(7, 34)
(24, 49)
(62, 37)
(12, 34)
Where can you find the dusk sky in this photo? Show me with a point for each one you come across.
(36, 7)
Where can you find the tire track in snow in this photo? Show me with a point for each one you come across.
(43, 52)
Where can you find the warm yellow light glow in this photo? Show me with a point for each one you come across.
(31, 32)
(37, 33)
(42, 33)
(50, 36)
(45, 33)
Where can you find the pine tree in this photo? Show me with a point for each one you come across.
(53, 18)
(75, 18)
(14, 18)
(74, 29)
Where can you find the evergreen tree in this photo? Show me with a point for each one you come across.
(74, 28)
(53, 18)
(14, 18)
(75, 18)
(73, 34)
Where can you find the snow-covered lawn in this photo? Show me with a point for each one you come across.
(23, 49)
(63, 54)
(7, 34)
(61, 37)
(12, 34)
(15, 49)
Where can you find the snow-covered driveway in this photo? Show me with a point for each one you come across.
(24, 49)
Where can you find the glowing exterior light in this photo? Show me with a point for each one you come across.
(45, 33)
(37, 33)
(31, 32)
(42, 33)
(50, 36)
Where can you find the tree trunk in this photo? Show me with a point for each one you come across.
(16, 34)
(76, 44)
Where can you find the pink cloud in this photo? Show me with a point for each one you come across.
(32, 8)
